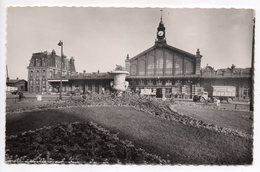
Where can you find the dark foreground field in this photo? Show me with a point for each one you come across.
(171, 140)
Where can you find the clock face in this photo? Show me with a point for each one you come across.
(160, 33)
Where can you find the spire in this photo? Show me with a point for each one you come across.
(161, 31)
(161, 15)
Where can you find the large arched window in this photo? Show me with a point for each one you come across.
(133, 69)
(178, 65)
(150, 65)
(141, 67)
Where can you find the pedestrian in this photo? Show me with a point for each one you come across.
(20, 95)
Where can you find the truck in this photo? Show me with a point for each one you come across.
(211, 93)
(148, 92)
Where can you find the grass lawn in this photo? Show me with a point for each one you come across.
(182, 144)
(238, 120)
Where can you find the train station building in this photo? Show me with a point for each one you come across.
(166, 70)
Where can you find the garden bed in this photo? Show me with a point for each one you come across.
(75, 143)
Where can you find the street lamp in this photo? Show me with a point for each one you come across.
(61, 58)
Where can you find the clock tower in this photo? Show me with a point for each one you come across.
(161, 32)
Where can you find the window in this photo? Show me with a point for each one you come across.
(37, 89)
(168, 70)
(43, 88)
(43, 62)
(37, 74)
(150, 65)
(159, 62)
(141, 67)
(246, 93)
(37, 62)
(141, 82)
(133, 69)
(178, 65)
(31, 74)
(43, 74)
(188, 67)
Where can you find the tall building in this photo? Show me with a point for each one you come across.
(164, 68)
(170, 71)
(45, 66)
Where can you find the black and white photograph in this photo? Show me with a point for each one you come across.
(157, 86)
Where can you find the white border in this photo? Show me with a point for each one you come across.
(254, 4)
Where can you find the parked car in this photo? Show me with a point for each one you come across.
(15, 92)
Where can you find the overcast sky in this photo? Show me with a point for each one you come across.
(100, 38)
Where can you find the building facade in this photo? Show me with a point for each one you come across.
(45, 66)
(169, 71)
(239, 77)
(19, 84)
(162, 68)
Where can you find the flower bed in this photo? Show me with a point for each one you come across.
(75, 143)
(153, 106)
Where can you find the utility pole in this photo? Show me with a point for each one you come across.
(61, 58)
(251, 106)
(7, 76)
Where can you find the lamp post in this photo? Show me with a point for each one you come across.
(61, 58)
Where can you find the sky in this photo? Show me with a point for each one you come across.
(100, 38)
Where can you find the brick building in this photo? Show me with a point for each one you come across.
(45, 66)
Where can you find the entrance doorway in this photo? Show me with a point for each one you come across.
(158, 92)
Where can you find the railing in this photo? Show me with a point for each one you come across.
(230, 76)
(107, 76)
(98, 76)
(160, 77)
(186, 76)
